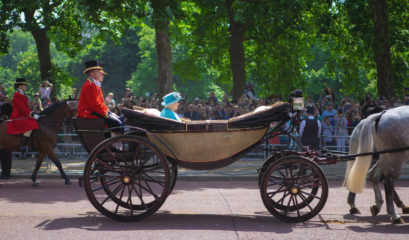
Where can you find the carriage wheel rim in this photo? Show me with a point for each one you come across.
(293, 191)
(129, 180)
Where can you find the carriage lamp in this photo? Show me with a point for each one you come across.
(298, 103)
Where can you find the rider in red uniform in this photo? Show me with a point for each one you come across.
(91, 103)
(22, 121)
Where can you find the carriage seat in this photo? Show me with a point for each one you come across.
(90, 131)
(261, 117)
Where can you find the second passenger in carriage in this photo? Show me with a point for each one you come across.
(171, 104)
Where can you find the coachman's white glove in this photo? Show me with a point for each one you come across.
(35, 116)
(114, 117)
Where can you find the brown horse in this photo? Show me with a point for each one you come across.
(43, 140)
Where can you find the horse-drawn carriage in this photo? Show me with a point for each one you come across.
(128, 177)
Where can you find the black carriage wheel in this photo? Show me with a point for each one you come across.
(173, 167)
(294, 189)
(127, 178)
(173, 172)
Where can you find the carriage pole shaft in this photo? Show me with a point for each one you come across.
(376, 153)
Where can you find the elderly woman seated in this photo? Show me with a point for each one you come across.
(171, 104)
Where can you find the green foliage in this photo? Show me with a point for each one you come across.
(7, 78)
(288, 44)
(350, 32)
(61, 18)
(144, 79)
(20, 42)
(29, 68)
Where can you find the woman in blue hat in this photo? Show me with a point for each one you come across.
(171, 104)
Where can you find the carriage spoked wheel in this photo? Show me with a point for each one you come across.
(173, 173)
(127, 178)
(294, 189)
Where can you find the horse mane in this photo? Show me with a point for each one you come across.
(52, 107)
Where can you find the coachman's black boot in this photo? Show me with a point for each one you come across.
(23, 145)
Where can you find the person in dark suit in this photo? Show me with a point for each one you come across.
(310, 129)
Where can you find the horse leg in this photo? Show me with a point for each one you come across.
(375, 178)
(389, 192)
(399, 203)
(351, 202)
(57, 163)
(39, 161)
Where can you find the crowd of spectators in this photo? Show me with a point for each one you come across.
(339, 118)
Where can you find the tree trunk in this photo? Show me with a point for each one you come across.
(163, 49)
(382, 47)
(236, 51)
(44, 56)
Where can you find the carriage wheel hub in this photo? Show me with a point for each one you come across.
(126, 179)
(294, 190)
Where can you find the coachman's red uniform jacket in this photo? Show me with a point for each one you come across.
(91, 100)
(20, 116)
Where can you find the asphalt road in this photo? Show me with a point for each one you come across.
(195, 210)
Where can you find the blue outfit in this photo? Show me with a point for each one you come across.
(331, 115)
(167, 113)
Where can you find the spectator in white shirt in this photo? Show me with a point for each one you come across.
(45, 90)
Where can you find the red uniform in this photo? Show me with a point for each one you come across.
(91, 100)
(21, 120)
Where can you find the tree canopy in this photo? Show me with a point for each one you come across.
(218, 45)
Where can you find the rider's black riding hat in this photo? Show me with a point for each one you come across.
(20, 81)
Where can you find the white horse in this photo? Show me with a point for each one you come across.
(379, 132)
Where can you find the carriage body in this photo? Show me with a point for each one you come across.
(207, 144)
(142, 163)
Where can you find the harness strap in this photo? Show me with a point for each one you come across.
(378, 118)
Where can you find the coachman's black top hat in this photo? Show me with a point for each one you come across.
(20, 81)
(93, 64)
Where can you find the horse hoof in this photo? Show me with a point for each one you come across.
(68, 182)
(374, 210)
(405, 209)
(399, 220)
(354, 211)
(36, 184)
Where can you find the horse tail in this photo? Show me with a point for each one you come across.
(353, 148)
(355, 178)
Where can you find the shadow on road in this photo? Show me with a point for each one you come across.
(169, 221)
(378, 224)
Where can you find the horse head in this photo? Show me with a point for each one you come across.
(54, 115)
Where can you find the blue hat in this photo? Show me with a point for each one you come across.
(171, 98)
